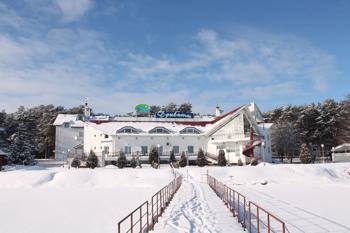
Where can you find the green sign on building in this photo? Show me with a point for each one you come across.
(142, 108)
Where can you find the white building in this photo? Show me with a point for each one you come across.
(341, 153)
(241, 133)
(69, 136)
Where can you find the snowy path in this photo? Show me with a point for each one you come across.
(196, 209)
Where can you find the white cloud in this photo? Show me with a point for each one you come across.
(65, 65)
(74, 9)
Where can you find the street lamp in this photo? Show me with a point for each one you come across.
(263, 150)
(322, 152)
(158, 146)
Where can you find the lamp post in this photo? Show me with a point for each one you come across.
(158, 149)
(322, 152)
(263, 150)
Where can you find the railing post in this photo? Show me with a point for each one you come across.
(244, 213)
(257, 219)
(250, 218)
(238, 209)
(268, 223)
(141, 219)
(147, 218)
(131, 224)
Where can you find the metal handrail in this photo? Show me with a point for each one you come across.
(243, 211)
(153, 211)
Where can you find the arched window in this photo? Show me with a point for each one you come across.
(128, 129)
(190, 130)
(160, 130)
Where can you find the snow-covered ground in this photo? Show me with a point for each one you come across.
(58, 200)
(310, 198)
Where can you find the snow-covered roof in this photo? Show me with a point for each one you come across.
(342, 148)
(174, 126)
(72, 119)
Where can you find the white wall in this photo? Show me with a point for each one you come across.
(65, 141)
(341, 157)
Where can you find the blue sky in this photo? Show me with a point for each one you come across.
(121, 53)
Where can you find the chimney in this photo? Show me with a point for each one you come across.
(218, 111)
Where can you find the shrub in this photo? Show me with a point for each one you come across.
(133, 162)
(75, 162)
(221, 158)
(254, 162)
(172, 157)
(304, 154)
(121, 161)
(153, 155)
(183, 160)
(201, 158)
(240, 163)
(92, 160)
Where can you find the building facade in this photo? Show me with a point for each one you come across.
(69, 136)
(241, 133)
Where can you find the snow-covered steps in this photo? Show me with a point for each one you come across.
(197, 209)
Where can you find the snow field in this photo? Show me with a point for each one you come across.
(309, 198)
(58, 200)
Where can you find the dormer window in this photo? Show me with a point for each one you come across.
(159, 130)
(128, 129)
(190, 130)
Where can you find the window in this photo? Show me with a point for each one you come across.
(127, 150)
(144, 150)
(66, 125)
(160, 150)
(106, 149)
(176, 149)
(81, 134)
(190, 130)
(128, 129)
(160, 130)
(190, 149)
(106, 135)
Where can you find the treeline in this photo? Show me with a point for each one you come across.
(315, 124)
(29, 132)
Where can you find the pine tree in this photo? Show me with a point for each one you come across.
(239, 162)
(183, 160)
(92, 160)
(172, 157)
(121, 161)
(133, 162)
(201, 158)
(75, 162)
(153, 155)
(304, 154)
(22, 148)
(221, 158)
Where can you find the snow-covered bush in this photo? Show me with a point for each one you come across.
(121, 162)
(304, 154)
(239, 162)
(133, 162)
(153, 155)
(172, 157)
(92, 160)
(201, 158)
(75, 162)
(254, 162)
(221, 158)
(183, 160)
